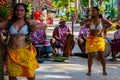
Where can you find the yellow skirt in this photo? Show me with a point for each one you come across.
(22, 62)
(94, 44)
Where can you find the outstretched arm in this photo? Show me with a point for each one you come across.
(37, 25)
(4, 23)
(87, 21)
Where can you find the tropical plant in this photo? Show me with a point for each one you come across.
(4, 13)
(113, 13)
(63, 4)
(85, 2)
(118, 14)
(5, 10)
(29, 8)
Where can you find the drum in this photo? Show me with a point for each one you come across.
(108, 49)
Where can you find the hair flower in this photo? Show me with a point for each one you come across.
(101, 9)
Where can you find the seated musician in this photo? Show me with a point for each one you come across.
(116, 43)
(39, 38)
(83, 34)
(60, 36)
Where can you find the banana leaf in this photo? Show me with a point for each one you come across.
(113, 13)
(60, 59)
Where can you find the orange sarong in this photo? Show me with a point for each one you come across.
(22, 62)
(95, 44)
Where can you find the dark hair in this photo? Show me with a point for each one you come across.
(14, 16)
(100, 15)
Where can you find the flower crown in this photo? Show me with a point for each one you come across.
(101, 9)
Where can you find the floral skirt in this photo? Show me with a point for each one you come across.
(22, 62)
(95, 44)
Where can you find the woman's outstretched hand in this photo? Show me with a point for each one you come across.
(37, 25)
(42, 26)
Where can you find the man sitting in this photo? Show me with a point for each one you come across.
(61, 34)
(83, 34)
(39, 38)
(116, 43)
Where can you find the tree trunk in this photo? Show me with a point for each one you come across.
(67, 9)
(118, 14)
(76, 11)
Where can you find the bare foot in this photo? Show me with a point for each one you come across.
(54, 52)
(88, 74)
(104, 73)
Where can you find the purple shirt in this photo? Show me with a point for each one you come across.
(37, 36)
(117, 34)
(84, 30)
(61, 32)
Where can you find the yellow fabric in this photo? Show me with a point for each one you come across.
(94, 44)
(22, 62)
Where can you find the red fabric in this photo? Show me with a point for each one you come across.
(37, 14)
(51, 21)
(40, 19)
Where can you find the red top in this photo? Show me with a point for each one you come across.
(37, 14)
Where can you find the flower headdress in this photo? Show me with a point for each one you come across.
(28, 14)
(101, 9)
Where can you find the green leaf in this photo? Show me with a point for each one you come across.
(4, 10)
(55, 1)
(113, 13)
